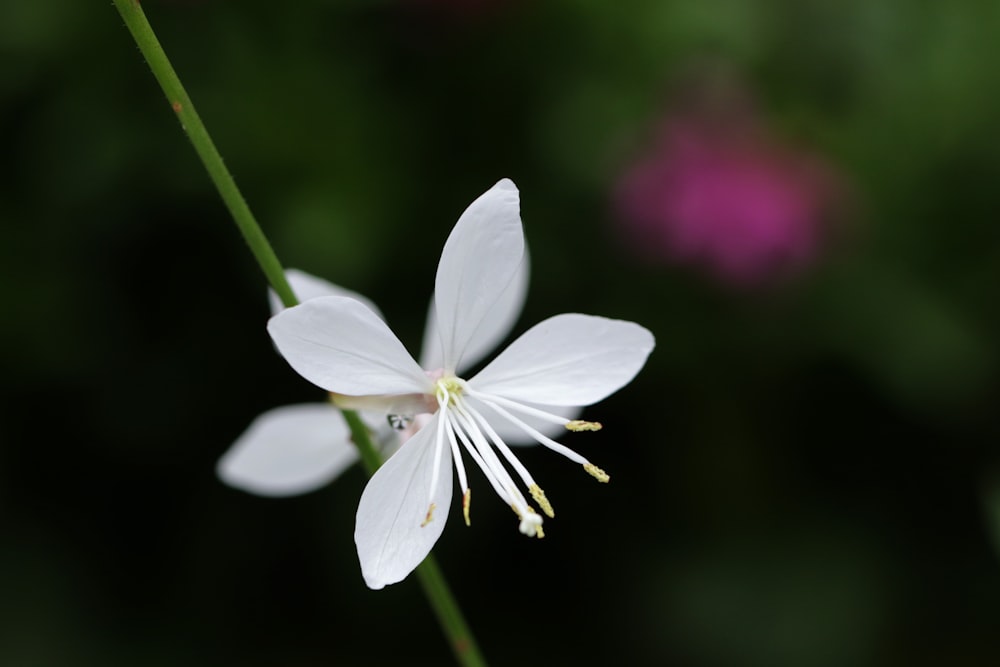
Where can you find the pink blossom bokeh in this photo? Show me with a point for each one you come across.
(719, 191)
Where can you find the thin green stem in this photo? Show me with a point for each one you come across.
(370, 457)
(149, 45)
(463, 643)
(449, 614)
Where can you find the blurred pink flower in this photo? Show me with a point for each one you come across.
(722, 193)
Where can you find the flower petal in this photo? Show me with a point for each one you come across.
(307, 286)
(391, 533)
(288, 451)
(478, 263)
(496, 325)
(340, 345)
(568, 359)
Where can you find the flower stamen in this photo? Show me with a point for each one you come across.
(470, 448)
(456, 454)
(543, 502)
(499, 444)
(463, 422)
(596, 473)
(534, 433)
(578, 425)
(519, 407)
(482, 446)
(438, 449)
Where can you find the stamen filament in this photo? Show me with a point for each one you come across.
(518, 407)
(548, 442)
(529, 481)
(456, 453)
(470, 448)
(438, 448)
(486, 452)
(502, 446)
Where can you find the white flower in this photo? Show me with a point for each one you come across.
(342, 346)
(296, 449)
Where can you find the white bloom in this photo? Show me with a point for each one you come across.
(296, 449)
(342, 346)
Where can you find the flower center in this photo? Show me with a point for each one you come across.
(448, 390)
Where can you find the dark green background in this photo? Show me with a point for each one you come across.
(801, 475)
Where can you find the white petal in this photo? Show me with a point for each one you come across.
(478, 263)
(389, 533)
(307, 286)
(491, 332)
(289, 450)
(568, 359)
(340, 345)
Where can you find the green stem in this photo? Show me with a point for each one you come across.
(449, 615)
(370, 457)
(181, 104)
(463, 643)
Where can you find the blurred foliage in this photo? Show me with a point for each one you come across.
(798, 473)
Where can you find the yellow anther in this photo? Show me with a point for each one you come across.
(466, 499)
(596, 472)
(430, 515)
(580, 425)
(543, 502)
